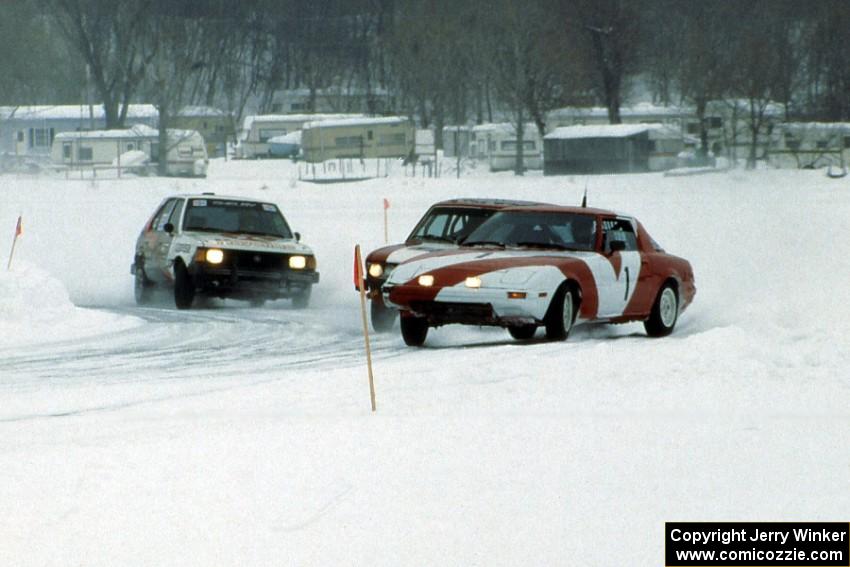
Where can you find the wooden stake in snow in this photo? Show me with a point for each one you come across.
(359, 283)
(18, 231)
(386, 229)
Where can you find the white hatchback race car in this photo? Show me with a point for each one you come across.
(227, 247)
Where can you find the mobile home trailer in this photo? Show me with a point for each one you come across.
(187, 153)
(27, 132)
(497, 145)
(810, 145)
(384, 137)
(258, 130)
(612, 148)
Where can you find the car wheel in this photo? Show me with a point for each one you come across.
(522, 332)
(561, 315)
(184, 287)
(142, 287)
(414, 330)
(382, 317)
(664, 314)
(302, 299)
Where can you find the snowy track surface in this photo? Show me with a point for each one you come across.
(230, 435)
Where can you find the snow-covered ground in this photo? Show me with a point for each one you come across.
(238, 436)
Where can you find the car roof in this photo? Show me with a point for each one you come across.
(545, 208)
(485, 203)
(220, 197)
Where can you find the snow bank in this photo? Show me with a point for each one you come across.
(35, 308)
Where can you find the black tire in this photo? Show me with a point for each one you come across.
(302, 299)
(414, 330)
(184, 287)
(142, 286)
(522, 332)
(561, 314)
(382, 317)
(665, 312)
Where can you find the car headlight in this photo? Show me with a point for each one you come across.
(376, 270)
(473, 281)
(297, 262)
(214, 256)
(426, 281)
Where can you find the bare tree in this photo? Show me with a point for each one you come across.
(109, 36)
(613, 31)
(44, 75)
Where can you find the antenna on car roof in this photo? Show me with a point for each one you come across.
(584, 199)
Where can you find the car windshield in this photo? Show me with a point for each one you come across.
(447, 224)
(529, 229)
(245, 217)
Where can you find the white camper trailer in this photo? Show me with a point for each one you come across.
(497, 145)
(360, 138)
(810, 145)
(258, 130)
(187, 153)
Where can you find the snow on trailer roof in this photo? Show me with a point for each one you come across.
(503, 128)
(249, 120)
(71, 111)
(137, 131)
(363, 121)
(199, 111)
(636, 110)
(839, 127)
(598, 131)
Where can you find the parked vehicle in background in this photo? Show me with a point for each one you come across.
(226, 247)
(258, 130)
(546, 266)
(441, 228)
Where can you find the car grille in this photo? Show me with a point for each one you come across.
(448, 312)
(259, 261)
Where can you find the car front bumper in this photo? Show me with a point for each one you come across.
(230, 281)
(470, 306)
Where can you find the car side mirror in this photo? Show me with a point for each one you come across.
(617, 245)
(169, 228)
(297, 237)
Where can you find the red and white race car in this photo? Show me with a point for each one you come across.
(441, 228)
(548, 266)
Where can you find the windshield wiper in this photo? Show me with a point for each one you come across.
(438, 238)
(485, 243)
(554, 245)
(259, 233)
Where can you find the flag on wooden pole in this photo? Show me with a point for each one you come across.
(358, 282)
(386, 229)
(358, 271)
(19, 230)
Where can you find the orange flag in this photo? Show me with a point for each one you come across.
(358, 270)
(386, 204)
(19, 230)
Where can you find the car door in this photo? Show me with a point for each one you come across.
(624, 258)
(157, 257)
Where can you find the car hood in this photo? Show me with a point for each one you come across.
(251, 242)
(398, 253)
(475, 261)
